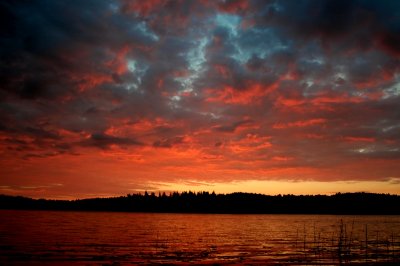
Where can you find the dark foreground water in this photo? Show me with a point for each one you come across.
(100, 238)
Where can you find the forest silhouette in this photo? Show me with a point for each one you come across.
(205, 202)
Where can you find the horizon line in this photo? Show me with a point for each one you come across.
(168, 193)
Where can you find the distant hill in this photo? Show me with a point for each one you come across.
(205, 202)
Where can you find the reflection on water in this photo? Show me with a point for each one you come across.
(44, 237)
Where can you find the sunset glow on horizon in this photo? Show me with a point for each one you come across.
(103, 98)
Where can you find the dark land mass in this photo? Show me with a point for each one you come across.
(205, 202)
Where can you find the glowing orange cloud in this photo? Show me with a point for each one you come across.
(304, 123)
(252, 94)
(359, 139)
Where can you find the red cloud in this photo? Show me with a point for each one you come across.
(302, 123)
(282, 158)
(250, 144)
(233, 6)
(324, 101)
(144, 8)
(251, 95)
(87, 81)
(222, 70)
(142, 127)
(359, 139)
(118, 64)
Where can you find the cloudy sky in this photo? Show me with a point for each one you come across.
(108, 97)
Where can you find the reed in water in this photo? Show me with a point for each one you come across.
(346, 246)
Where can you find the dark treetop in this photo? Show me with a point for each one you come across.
(205, 202)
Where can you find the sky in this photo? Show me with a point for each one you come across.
(108, 97)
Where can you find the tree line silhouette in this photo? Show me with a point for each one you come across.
(205, 202)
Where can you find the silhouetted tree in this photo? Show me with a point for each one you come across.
(204, 202)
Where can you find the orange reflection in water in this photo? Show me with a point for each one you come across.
(35, 237)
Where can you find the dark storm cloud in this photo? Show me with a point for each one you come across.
(329, 19)
(41, 134)
(47, 42)
(104, 141)
(340, 25)
(231, 128)
(54, 47)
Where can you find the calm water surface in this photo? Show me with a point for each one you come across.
(103, 238)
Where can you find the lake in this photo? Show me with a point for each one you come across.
(116, 238)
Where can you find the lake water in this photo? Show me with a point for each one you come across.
(104, 238)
